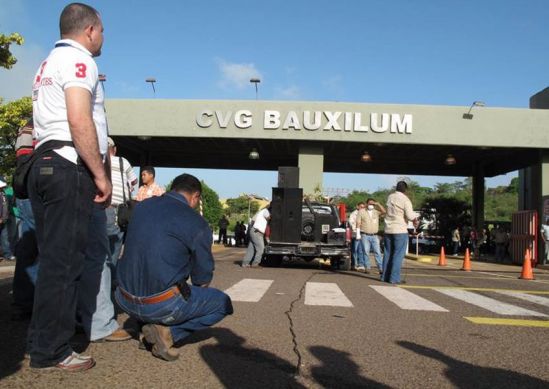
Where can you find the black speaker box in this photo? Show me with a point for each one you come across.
(286, 215)
(288, 177)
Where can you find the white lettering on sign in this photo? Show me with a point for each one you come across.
(393, 123)
(243, 119)
(272, 120)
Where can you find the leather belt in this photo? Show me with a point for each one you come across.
(168, 294)
(364, 233)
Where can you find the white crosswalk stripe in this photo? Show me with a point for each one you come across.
(325, 293)
(527, 297)
(488, 303)
(406, 299)
(249, 290)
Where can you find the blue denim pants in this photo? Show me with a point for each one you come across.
(395, 250)
(204, 308)
(116, 237)
(61, 194)
(26, 267)
(95, 307)
(358, 252)
(372, 242)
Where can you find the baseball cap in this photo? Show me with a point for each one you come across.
(110, 142)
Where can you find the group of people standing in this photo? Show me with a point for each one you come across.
(364, 222)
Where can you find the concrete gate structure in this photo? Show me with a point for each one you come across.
(323, 137)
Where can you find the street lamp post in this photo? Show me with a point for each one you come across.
(255, 81)
(152, 80)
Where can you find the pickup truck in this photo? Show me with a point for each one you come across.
(323, 236)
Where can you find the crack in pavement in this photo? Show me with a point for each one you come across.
(294, 336)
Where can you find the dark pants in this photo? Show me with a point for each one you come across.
(223, 235)
(61, 194)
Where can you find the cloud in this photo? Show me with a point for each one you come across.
(291, 92)
(17, 81)
(237, 74)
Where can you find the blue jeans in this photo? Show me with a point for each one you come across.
(204, 308)
(26, 267)
(95, 306)
(116, 237)
(358, 252)
(61, 194)
(372, 242)
(395, 250)
(255, 248)
(5, 239)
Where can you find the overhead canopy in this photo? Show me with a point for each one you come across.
(403, 139)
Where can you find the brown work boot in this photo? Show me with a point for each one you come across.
(119, 335)
(160, 338)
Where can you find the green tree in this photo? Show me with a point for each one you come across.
(13, 115)
(211, 207)
(239, 206)
(7, 60)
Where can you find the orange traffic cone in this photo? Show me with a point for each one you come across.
(527, 273)
(466, 261)
(442, 258)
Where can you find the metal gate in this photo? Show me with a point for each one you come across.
(524, 235)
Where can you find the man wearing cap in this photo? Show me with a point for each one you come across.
(367, 223)
(123, 181)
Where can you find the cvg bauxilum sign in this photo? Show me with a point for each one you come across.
(310, 120)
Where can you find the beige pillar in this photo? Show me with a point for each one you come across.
(311, 168)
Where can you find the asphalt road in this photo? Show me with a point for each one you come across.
(282, 341)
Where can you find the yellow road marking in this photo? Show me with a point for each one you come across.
(473, 289)
(470, 276)
(509, 322)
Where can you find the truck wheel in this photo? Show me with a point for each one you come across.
(272, 260)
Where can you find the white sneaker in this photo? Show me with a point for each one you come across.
(360, 268)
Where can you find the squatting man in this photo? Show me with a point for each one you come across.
(157, 262)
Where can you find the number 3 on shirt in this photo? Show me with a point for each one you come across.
(81, 70)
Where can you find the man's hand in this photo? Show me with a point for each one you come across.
(104, 191)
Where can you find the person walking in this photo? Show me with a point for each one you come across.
(222, 224)
(256, 243)
(399, 213)
(368, 229)
(65, 181)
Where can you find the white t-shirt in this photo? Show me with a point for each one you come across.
(68, 65)
(260, 220)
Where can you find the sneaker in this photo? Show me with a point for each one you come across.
(360, 268)
(12, 258)
(73, 363)
(245, 265)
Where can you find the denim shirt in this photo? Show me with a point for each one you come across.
(167, 241)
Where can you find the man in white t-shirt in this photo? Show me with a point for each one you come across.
(256, 244)
(123, 182)
(68, 184)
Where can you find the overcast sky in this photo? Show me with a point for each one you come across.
(399, 51)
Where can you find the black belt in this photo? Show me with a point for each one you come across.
(364, 233)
